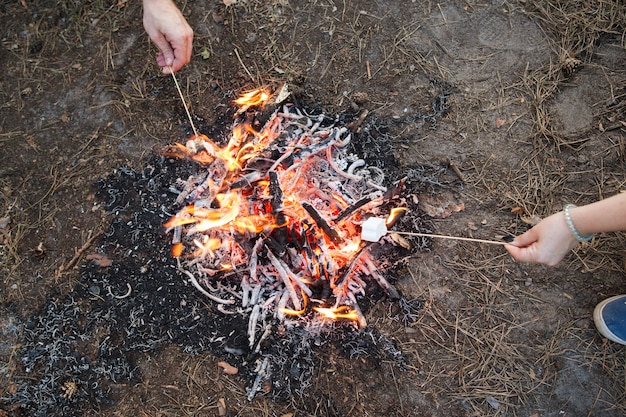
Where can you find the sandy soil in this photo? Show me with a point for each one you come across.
(518, 107)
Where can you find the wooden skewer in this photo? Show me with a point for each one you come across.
(180, 93)
(469, 239)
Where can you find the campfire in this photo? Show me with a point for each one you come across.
(271, 226)
(283, 228)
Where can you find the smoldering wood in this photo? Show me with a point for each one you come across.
(280, 233)
(286, 267)
(246, 180)
(286, 280)
(352, 209)
(352, 264)
(323, 224)
(389, 289)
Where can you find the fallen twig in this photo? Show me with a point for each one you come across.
(79, 253)
(455, 169)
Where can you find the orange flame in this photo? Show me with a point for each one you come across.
(253, 98)
(394, 215)
(228, 215)
(351, 247)
(208, 245)
(229, 153)
(341, 312)
(208, 218)
(292, 312)
(255, 223)
(177, 250)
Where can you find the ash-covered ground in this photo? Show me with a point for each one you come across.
(132, 298)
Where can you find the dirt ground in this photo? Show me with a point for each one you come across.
(519, 105)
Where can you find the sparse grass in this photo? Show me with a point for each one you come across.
(605, 253)
(11, 236)
(541, 179)
(574, 30)
(497, 346)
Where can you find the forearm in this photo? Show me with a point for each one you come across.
(608, 215)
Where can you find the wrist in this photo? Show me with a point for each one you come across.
(567, 213)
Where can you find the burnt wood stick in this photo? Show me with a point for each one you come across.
(279, 234)
(351, 209)
(350, 267)
(301, 153)
(246, 180)
(294, 237)
(212, 184)
(326, 291)
(276, 192)
(272, 242)
(308, 241)
(323, 224)
(389, 289)
(321, 291)
(395, 191)
(356, 125)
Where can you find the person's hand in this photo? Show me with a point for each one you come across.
(546, 243)
(168, 29)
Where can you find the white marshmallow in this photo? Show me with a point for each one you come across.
(373, 229)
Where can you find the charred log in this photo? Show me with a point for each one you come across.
(323, 224)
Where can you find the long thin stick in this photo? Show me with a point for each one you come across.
(469, 239)
(180, 93)
(243, 65)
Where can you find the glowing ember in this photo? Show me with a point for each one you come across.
(342, 312)
(272, 221)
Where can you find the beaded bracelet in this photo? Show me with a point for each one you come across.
(572, 228)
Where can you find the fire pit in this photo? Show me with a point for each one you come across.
(277, 213)
(271, 223)
(249, 246)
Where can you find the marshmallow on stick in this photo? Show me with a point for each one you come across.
(374, 228)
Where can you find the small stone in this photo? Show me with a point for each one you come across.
(492, 402)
